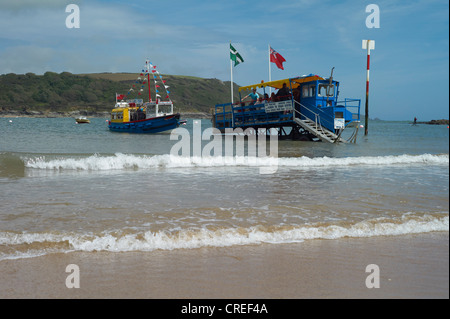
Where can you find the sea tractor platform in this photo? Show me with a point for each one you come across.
(308, 109)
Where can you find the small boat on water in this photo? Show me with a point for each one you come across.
(135, 116)
(82, 120)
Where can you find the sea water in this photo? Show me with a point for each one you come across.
(79, 187)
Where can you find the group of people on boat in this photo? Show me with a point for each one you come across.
(283, 94)
(137, 114)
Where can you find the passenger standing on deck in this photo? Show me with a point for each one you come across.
(283, 93)
(253, 95)
(296, 93)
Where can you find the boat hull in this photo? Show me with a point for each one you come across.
(152, 125)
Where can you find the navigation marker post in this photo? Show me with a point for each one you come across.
(367, 45)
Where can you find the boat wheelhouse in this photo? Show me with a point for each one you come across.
(308, 109)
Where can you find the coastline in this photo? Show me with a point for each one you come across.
(410, 266)
(74, 114)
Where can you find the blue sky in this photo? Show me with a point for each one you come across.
(409, 66)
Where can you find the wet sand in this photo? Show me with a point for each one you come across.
(410, 266)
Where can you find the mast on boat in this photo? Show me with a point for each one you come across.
(147, 65)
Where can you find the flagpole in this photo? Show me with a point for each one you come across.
(231, 108)
(270, 75)
(231, 70)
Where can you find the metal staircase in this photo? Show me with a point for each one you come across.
(318, 130)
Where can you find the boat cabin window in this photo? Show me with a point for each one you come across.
(326, 90)
(116, 115)
(309, 91)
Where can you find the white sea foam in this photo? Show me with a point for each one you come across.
(121, 161)
(224, 237)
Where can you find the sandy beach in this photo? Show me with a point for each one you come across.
(410, 266)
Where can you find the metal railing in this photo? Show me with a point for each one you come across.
(321, 118)
(223, 115)
(349, 107)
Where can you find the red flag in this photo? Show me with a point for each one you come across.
(120, 96)
(276, 58)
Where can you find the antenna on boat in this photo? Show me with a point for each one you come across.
(330, 82)
(331, 76)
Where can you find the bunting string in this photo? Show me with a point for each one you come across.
(141, 81)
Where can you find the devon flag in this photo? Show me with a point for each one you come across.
(235, 56)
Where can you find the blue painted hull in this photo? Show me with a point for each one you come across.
(152, 125)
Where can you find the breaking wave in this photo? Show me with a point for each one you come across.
(121, 161)
(22, 245)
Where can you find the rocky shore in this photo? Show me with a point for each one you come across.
(436, 122)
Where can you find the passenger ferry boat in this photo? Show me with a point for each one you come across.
(150, 117)
(135, 116)
(310, 110)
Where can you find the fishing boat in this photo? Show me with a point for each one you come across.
(308, 109)
(137, 116)
(82, 120)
